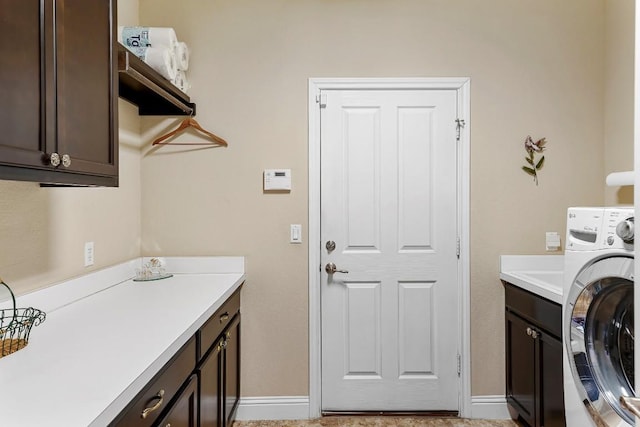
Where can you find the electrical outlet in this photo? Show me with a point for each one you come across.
(552, 241)
(88, 254)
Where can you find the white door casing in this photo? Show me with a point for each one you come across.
(405, 280)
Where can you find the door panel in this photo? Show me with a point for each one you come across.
(388, 200)
(85, 70)
(21, 83)
(415, 330)
(362, 322)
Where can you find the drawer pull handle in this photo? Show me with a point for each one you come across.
(147, 411)
(224, 317)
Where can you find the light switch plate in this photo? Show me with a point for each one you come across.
(296, 233)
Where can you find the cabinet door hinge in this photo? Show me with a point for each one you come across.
(459, 125)
(459, 364)
(458, 247)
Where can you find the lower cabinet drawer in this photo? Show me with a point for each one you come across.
(154, 398)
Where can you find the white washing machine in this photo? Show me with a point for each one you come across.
(597, 316)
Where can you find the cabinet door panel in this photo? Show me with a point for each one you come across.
(21, 82)
(232, 371)
(184, 411)
(551, 383)
(211, 387)
(85, 85)
(521, 367)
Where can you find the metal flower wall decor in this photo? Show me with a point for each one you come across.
(533, 166)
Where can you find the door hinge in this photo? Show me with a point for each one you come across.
(459, 364)
(322, 100)
(458, 247)
(459, 125)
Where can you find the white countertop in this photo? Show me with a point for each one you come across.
(98, 348)
(539, 274)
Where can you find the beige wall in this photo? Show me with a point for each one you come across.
(44, 229)
(536, 67)
(618, 119)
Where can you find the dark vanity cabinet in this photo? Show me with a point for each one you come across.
(534, 381)
(59, 92)
(200, 385)
(219, 365)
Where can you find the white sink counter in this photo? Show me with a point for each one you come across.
(105, 337)
(539, 274)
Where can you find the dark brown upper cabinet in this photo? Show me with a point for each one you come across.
(59, 88)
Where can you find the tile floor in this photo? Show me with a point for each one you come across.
(387, 421)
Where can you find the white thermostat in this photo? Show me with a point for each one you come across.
(277, 179)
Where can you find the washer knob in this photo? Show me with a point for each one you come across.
(625, 230)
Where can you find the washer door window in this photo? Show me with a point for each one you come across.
(600, 309)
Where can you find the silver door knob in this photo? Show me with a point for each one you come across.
(331, 245)
(331, 268)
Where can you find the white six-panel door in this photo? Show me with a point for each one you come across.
(389, 327)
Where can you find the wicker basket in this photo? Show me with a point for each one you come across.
(15, 323)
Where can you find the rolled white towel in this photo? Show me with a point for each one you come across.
(148, 36)
(161, 59)
(181, 82)
(182, 56)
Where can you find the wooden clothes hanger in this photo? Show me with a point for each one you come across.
(190, 122)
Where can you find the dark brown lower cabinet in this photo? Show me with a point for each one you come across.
(220, 378)
(533, 347)
(200, 385)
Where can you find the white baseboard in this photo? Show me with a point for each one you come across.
(297, 408)
(489, 407)
(273, 408)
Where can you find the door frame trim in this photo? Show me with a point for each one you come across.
(462, 85)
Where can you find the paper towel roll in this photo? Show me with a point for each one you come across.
(182, 56)
(161, 59)
(181, 81)
(148, 36)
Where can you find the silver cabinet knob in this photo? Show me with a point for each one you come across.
(54, 159)
(66, 160)
(532, 333)
(331, 268)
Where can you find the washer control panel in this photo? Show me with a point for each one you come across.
(600, 228)
(619, 228)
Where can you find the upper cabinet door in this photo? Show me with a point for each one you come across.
(22, 122)
(86, 91)
(58, 87)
